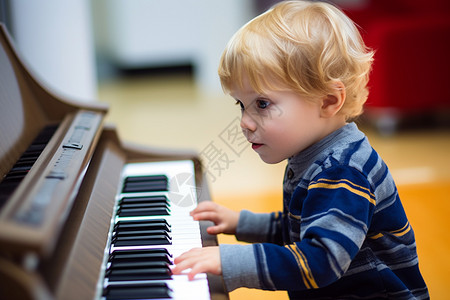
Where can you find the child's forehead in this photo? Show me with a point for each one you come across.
(254, 81)
(242, 88)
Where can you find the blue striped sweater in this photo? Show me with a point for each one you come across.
(343, 232)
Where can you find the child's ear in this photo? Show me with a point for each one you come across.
(332, 103)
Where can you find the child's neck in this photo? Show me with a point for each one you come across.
(332, 124)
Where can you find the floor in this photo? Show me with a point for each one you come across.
(170, 112)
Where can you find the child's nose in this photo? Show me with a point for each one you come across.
(247, 122)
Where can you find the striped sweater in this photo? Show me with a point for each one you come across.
(343, 232)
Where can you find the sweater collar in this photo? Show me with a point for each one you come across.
(347, 134)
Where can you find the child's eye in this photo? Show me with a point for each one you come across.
(240, 104)
(262, 104)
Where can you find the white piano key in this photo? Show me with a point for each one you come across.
(181, 286)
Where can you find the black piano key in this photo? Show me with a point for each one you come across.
(155, 224)
(144, 199)
(20, 167)
(35, 148)
(152, 290)
(16, 175)
(141, 240)
(144, 205)
(15, 178)
(141, 233)
(141, 257)
(136, 212)
(144, 273)
(131, 265)
(136, 187)
(134, 184)
(161, 178)
(29, 157)
(120, 252)
(141, 203)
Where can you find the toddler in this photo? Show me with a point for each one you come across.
(299, 73)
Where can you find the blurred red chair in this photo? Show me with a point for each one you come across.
(411, 71)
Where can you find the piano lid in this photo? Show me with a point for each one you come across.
(31, 217)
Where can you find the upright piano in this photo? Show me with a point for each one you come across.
(84, 215)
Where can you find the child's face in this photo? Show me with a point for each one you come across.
(278, 124)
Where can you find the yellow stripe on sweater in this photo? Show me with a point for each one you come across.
(307, 276)
(399, 232)
(402, 231)
(335, 184)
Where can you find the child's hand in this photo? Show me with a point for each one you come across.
(225, 219)
(199, 260)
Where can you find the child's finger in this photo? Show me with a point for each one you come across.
(215, 229)
(204, 206)
(191, 253)
(180, 267)
(199, 267)
(183, 263)
(207, 216)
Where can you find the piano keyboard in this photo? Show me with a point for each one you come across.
(20, 169)
(152, 226)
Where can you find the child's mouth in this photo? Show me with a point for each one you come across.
(256, 146)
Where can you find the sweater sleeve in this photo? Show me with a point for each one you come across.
(239, 266)
(259, 227)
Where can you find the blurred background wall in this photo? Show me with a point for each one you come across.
(56, 40)
(70, 44)
(141, 33)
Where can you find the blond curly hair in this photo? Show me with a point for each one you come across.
(302, 46)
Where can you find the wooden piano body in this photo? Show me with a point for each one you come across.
(54, 225)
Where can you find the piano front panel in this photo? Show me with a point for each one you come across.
(73, 270)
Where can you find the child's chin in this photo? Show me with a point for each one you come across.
(271, 160)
